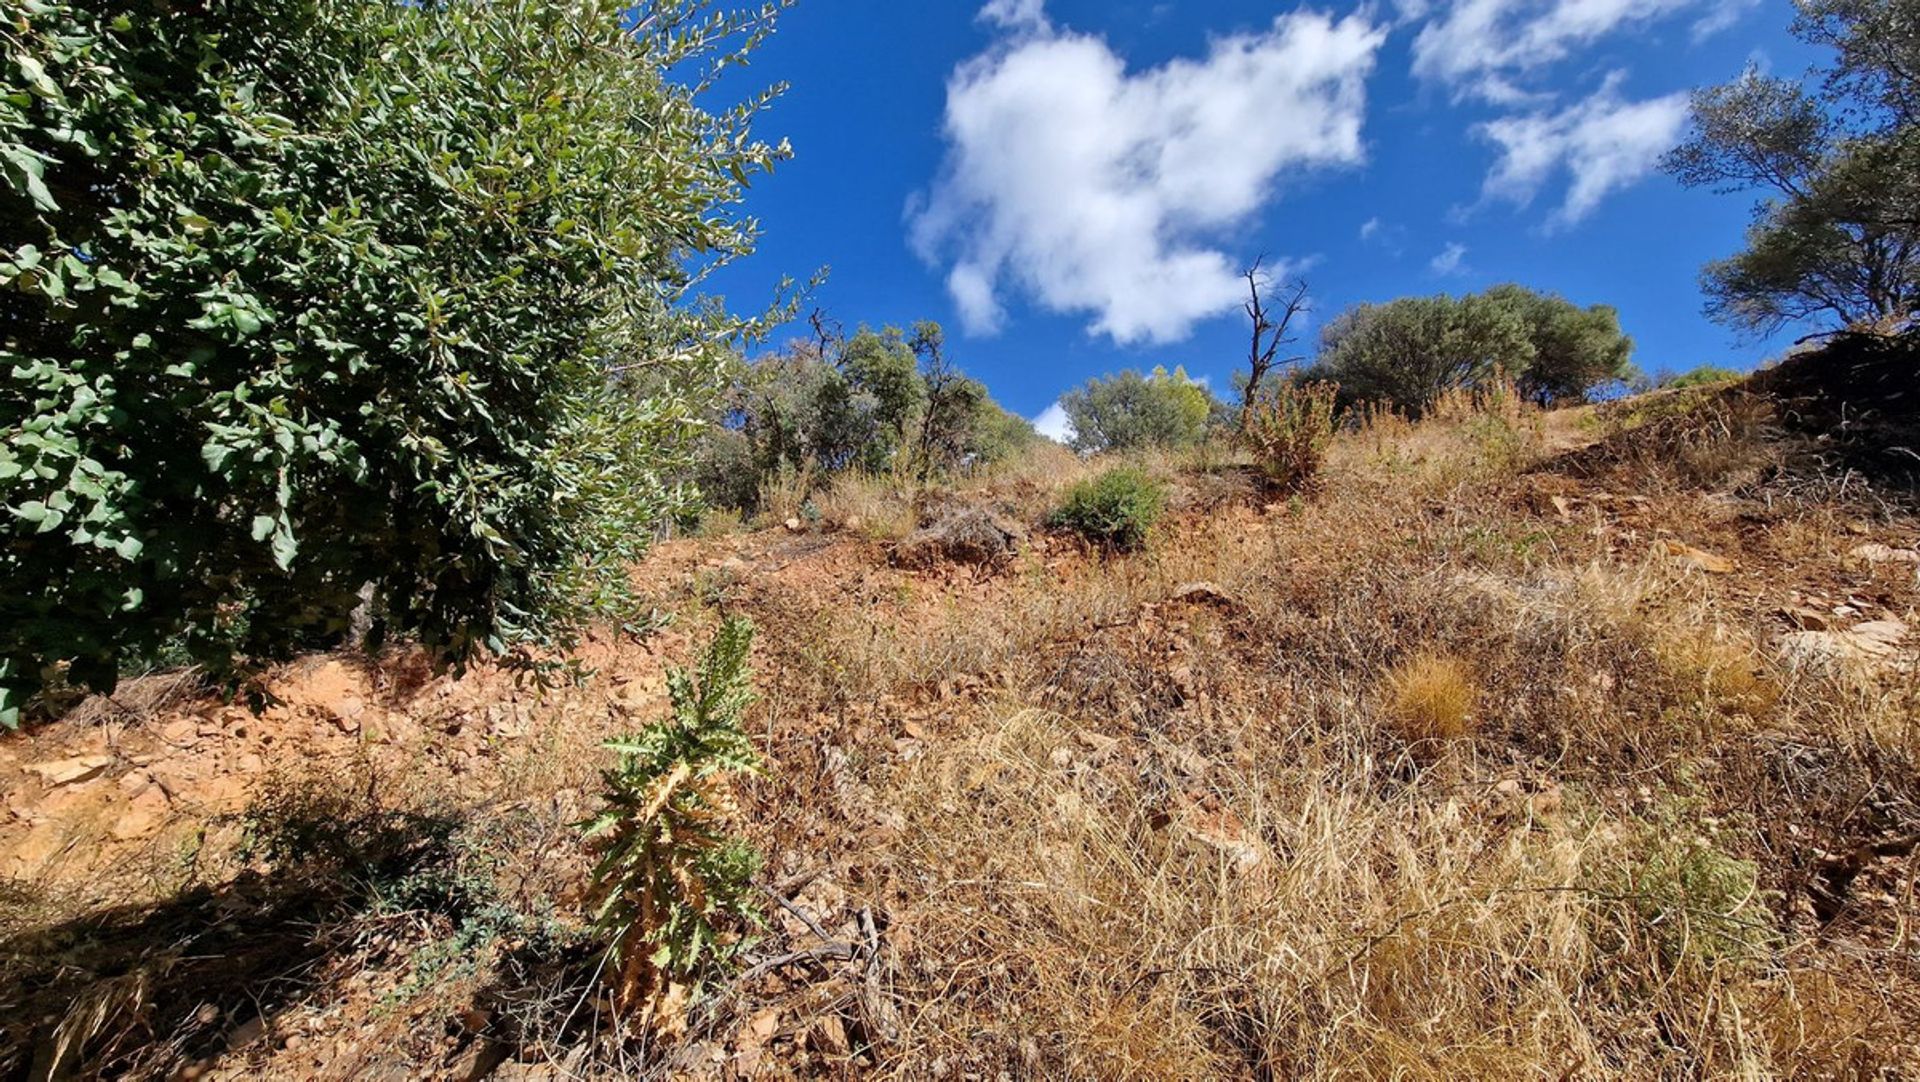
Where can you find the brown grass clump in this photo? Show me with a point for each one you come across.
(1725, 675)
(1431, 700)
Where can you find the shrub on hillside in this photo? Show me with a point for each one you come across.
(1131, 412)
(1117, 509)
(878, 404)
(1412, 351)
(1288, 429)
(1707, 375)
(316, 301)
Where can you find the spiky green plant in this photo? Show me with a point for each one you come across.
(672, 888)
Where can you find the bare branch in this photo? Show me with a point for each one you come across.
(829, 336)
(1269, 333)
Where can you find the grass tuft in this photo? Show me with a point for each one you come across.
(1431, 700)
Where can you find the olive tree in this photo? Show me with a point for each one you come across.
(1575, 349)
(1410, 351)
(315, 304)
(1130, 411)
(1836, 238)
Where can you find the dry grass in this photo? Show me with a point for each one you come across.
(1431, 700)
(1296, 923)
(788, 494)
(1135, 817)
(878, 507)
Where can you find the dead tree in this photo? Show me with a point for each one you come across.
(1269, 333)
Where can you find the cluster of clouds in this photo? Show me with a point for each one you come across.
(1497, 51)
(1092, 188)
(1096, 189)
(1601, 144)
(1492, 49)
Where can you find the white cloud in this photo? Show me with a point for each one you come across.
(1722, 15)
(1093, 189)
(1602, 144)
(972, 290)
(1385, 235)
(1450, 261)
(1054, 424)
(1486, 48)
(1015, 14)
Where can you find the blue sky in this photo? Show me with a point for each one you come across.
(1071, 187)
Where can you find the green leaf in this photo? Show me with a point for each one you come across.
(284, 548)
(25, 169)
(36, 76)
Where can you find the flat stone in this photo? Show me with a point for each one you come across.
(1806, 619)
(145, 815)
(184, 733)
(72, 771)
(1874, 641)
(1706, 561)
(1876, 553)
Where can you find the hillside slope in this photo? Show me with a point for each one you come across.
(1574, 745)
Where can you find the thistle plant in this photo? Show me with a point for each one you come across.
(671, 888)
(1288, 430)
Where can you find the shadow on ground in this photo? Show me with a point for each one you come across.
(147, 991)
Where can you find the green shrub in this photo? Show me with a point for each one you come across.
(671, 889)
(1288, 429)
(1134, 412)
(1117, 509)
(885, 402)
(1413, 351)
(1706, 375)
(1693, 902)
(305, 298)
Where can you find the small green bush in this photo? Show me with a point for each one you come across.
(1688, 899)
(1706, 375)
(1116, 509)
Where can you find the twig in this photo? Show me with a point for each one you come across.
(793, 884)
(796, 911)
(826, 952)
(880, 1014)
